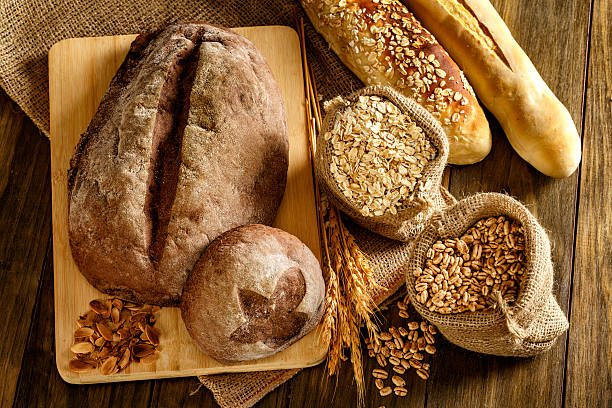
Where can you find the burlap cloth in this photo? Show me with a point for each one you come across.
(411, 214)
(28, 29)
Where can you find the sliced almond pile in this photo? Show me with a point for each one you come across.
(399, 349)
(114, 333)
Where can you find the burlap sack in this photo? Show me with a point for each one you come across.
(527, 327)
(412, 215)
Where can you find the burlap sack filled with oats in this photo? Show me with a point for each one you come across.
(524, 327)
(362, 133)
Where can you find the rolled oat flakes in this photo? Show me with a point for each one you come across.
(379, 154)
(380, 158)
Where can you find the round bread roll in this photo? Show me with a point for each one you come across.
(189, 141)
(255, 291)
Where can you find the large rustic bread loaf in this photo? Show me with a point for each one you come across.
(189, 141)
(254, 291)
(384, 44)
(538, 126)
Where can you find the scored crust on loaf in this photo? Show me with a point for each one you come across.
(255, 291)
(189, 141)
(384, 44)
(274, 320)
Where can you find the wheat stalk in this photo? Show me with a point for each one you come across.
(358, 275)
(350, 278)
(358, 304)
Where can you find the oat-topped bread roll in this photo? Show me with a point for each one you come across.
(384, 44)
(254, 291)
(189, 141)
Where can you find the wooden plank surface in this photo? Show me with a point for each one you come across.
(462, 378)
(80, 70)
(25, 208)
(588, 381)
(469, 380)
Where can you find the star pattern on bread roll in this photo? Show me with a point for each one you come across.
(273, 321)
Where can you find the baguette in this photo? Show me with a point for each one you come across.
(536, 123)
(384, 44)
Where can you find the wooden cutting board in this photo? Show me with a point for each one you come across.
(80, 70)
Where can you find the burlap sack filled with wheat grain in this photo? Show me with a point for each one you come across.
(412, 214)
(524, 328)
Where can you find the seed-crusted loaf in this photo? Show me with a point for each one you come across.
(254, 291)
(189, 141)
(384, 44)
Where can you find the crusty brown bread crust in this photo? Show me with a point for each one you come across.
(254, 291)
(189, 141)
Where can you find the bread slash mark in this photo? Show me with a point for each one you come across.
(485, 32)
(170, 122)
(273, 321)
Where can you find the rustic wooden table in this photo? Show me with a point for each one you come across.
(570, 42)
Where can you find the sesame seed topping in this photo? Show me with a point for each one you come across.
(391, 46)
